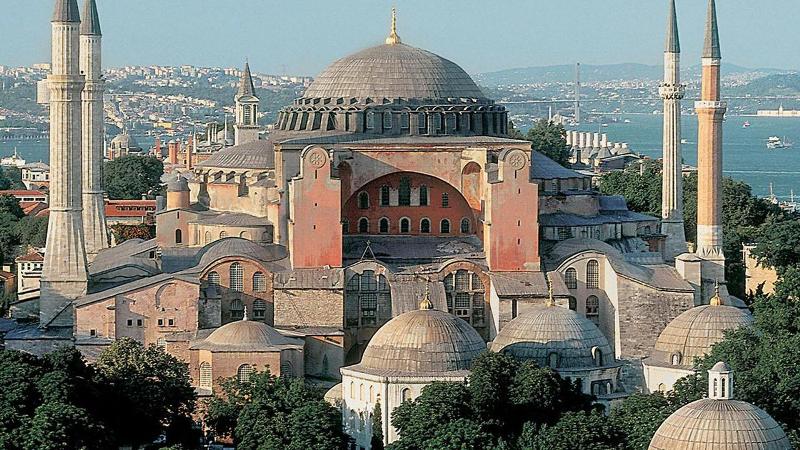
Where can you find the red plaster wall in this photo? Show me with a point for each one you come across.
(513, 236)
(315, 231)
(458, 209)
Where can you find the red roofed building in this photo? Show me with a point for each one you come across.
(130, 212)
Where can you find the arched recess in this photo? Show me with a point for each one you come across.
(465, 280)
(471, 184)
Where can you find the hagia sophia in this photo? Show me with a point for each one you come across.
(382, 235)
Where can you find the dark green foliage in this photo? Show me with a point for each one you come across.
(32, 231)
(550, 139)
(577, 430)
(274, 413)
(10, 205)
(132, 176)
(778, 243)
(377, 428)
(639, 183)
(639, 416)
(10, 178)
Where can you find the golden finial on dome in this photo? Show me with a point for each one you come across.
(393, 37)
(716, 300)
(551, 301)
(426, 304)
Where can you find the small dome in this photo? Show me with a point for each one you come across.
(728, 424)
(544, 330)
(245, 336)
(692, 333)
(422, 341)
(179, 184)
(124, 140)
(394, 71)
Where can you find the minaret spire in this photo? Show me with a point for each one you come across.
(246, 127)
(94, 218)
(393, 37)
(711, 47)
(672, 91)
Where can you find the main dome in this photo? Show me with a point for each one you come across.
(422, 341)
(394, 71)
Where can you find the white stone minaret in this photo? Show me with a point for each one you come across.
(64, 273)
(94, 218)
(672, 91)
(246, 128)
(710, 113)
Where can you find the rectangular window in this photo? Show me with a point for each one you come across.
(387, 120)
(139, 322)
(92, 332)
(370, 120)
(171, 322)
(130, 322)
(404, 192)
(161, 322)
(404, 121)
(369, 309)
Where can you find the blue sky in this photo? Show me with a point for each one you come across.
(304, 36)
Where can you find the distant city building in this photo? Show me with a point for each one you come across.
(122, 145)
(780, 112)
(36, 176)
(12, 161)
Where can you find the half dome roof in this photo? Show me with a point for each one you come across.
(394, 71)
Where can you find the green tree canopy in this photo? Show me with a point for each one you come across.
(778, 243)
(577, 430)
(32, 231)
(550, 139)
(132, 176)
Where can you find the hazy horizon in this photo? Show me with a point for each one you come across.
(303, 38)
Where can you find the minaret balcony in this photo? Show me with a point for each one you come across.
(711, 104)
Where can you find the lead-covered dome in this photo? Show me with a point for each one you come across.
(548, 330)
(394, 71)
(246, 336)
(424, 341)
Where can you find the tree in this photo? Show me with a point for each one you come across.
(32, 231)
(418, 421)
(639, 183)
(639, 416)
(550, 139)
(271, 412)
(578, 430)
(778, 243)
(8, 235)
(132, 176)
(148, 390)
(123, 232)
(10, 178)
(10, 205)
(376, 443)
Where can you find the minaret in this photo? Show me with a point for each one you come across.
(94, 218)
(710, 112)
(64, 273)
(246, 128)
(672, 91)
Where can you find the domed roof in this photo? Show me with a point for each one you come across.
(424, 341)
(543, 330)
(124, 140)
(245, 336)
(235, 246)
(693, 332)
(728, 424)
(394, 71)
(179, 184)
(251, 155)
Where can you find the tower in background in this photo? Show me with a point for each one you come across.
(246, 129)
(64, 275)
(94, 220)
(578, 93)
(672, 91)
(710, 113)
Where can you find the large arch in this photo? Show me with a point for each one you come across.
(413, 196)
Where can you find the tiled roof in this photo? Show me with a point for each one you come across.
(30, 257)
(544, 168)
(251, 155)
(24, 193)
(233, 220)
(129, 208)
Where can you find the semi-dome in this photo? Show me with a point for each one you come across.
(425, 341)
(720, 422)
(552, 330)
(394, 71)
(246, 336)
(692, 334)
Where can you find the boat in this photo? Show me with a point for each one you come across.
(746, 124)
(626, 121)
(774, 142)
(684, 141)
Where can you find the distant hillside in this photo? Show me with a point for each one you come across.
(770, 85)
(594, 73)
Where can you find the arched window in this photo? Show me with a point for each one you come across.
(464, 226)
(361, 392)
(383, 225)
(423, 195)
(345, 225)
(592, 274)
(208, 236)
(213, 278)
(363, 200)
(244, 372)
(371, 394)
(676, 359)
(236, 309)
(352, 392)
(445, 200)
(178, 237)
(552, 360)
(464, 292)
(571, 278)
(597, 355)
(593, 308)
(363, 225)
(365, 294)
(573, 303)
(370, 120)
(404, 192)
(287, 370)
(205, 374)
(385, 195)
(662, 387)
(259, 282)
(236, 273)
(444, 227)
(425, 226)
(723, 388)
(715, 387)
(405, 394)
(223, 234)
(259, 309)
(405, 225)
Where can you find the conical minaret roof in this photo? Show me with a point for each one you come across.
(90, 25)
(711, 47)
(673, 43)
(66, 11)
(246, 87)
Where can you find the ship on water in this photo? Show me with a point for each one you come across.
(774, 142)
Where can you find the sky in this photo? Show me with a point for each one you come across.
(301, 37)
